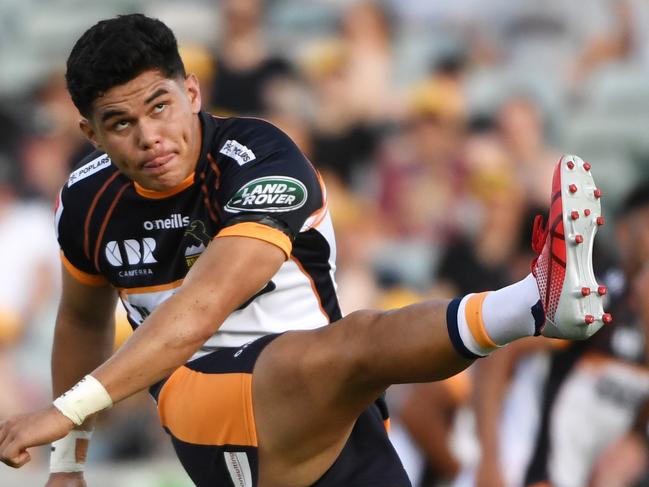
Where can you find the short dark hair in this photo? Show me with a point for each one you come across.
(115, 51)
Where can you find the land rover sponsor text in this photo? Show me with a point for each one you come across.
(269, 194)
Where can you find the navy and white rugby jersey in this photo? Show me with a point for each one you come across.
(250, 180)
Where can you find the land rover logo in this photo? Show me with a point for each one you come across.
(269, 194)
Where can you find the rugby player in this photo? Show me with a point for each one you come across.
(606, 378)
(215, 235)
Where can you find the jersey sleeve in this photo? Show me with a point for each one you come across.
(270, 191)
(69, 224)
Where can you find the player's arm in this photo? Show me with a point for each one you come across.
(624, 461)
(228, 273)
(83, 339)
(85, 331)
(493, 376)
(427, 414)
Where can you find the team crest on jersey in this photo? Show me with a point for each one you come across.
(269, 194)
(200, 239)
(238, 152)
(89, 169)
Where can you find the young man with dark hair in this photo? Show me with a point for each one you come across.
(215, 235)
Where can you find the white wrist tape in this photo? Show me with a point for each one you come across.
(87, 397)
(69, 453)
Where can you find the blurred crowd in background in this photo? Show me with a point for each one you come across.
(436, 126)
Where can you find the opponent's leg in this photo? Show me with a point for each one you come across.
(309, 387)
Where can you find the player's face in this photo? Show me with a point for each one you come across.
(149, 128)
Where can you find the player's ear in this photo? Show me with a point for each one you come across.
(193, 90)
(89, 132)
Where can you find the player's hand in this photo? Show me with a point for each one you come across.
(66, 480)
(27, 430)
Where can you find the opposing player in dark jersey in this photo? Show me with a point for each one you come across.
(215, 235)
(595, 389)
(592, 392)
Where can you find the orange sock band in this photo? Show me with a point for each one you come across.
(473, 315)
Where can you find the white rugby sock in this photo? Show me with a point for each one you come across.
(492, 319)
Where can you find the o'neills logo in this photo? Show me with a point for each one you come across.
(174, 221)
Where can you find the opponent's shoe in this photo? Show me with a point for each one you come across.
(571, 298)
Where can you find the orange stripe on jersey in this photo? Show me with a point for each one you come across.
(217, 171)
(158, 195)
(152, 289)
(260, 232)
(386, 425)
(473, 315)
(206, 200)
(208, 409)
(95, 200)
(104, 224)
(95, 280)
(315, 290)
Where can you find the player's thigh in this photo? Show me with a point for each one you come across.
(310, 386)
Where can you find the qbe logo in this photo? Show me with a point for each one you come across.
(131, 252)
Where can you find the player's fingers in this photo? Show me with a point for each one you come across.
(12, 447)
(17, 460)
(4, 445)
(22, 458)
(3, 431)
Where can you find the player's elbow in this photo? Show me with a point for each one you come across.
(194, 321)
(203, 327)
(189, 338)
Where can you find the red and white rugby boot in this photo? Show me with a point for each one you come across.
(571, 298)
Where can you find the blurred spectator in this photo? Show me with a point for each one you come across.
(546, 35)
(422, 181)
(480, 257)
(524, 131)
(244, 66)
(199, 61)
(634, 15)
(367, 45)
(28, 287)
(342, 142)
(357, 234)
(55, 143)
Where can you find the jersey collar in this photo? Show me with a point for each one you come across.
(157, 195)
